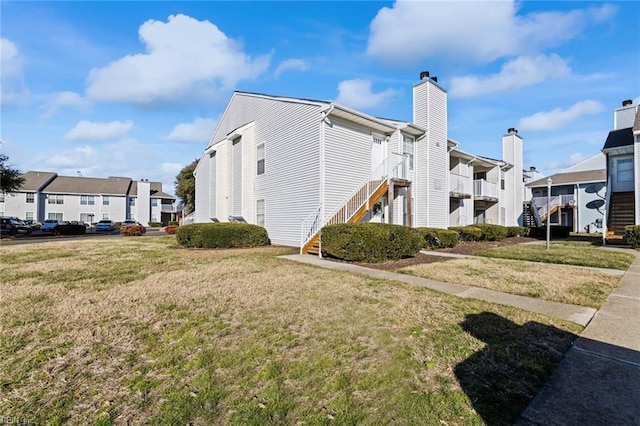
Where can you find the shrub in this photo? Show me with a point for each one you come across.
(171, 229)
(370, 242)
(222, 235)
(69, 229)
(491, 232)
(133, 230)
(556, 232)
(632, 235)
(173, 223)
(439, 238)
(117, 225)
(155, 224)
(517, 231)
(468, 233)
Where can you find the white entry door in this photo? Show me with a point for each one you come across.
(621, 173)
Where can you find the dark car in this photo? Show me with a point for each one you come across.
(35, 226)
(13, 225)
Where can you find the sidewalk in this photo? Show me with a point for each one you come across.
(598, 380)
(578, 314)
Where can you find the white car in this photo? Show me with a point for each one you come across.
(105, 225)
(49, 224)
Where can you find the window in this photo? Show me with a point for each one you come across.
(87, 200)
(154, 217)
(407, 149)
(260, 158)
(55, 216)
(105, 215)
(86, 217)
(1, 197)
(260, 212)
(501, 183)
(55, 199)
(132, 202)
(30, 197)
(625, 170)
(154, 202)
(105, 200)
(132, 216)
(28, 215)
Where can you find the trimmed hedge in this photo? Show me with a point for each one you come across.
(222, 235)
(173, 222)
(370, 242)
(632, 235)
(133, 230)
(156, 224)
(69, 229)
(439, 238)
(491, 232)
(171, 229)
(468, 233)
(517, 231)
(556, 232)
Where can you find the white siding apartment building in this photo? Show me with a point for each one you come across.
(293, 165)
(45, 195)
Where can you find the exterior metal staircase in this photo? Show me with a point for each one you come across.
(355, 206)
(620, 213)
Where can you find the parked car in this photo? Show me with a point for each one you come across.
(105, 225)
(49, 224)
(35, 226)
(13, 225)
(129, 223)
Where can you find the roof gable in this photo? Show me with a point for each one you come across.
(619, 138)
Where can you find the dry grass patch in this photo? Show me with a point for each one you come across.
(243, 337)
(549, 282)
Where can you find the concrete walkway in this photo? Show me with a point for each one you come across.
(578, 314)
(598, 380)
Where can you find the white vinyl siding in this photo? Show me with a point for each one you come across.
(292, 182)
(213, 179)
(202, 189)
(347, 162)
(236, 177)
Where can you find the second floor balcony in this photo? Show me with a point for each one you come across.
(485, 190)
(459, 186)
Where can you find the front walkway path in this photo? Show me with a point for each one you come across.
(598, 380)
(578, 314)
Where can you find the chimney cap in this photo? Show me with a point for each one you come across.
(627, 102)
(512, 130)
(435, 79)
(424, 75)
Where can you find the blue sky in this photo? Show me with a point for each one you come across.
(136, 88)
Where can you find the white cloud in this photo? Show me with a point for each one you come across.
(520, 72)
(197, 132)
(184, 57)
(65, 99)
(411, 31)
(171, 168)
(575, 158)
(82, 158)
(551, 120)
(357, 94)
(291, 65)
(11, 74)
(86, 130)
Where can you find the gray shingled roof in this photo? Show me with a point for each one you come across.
(619, 138)
(33, 181)
(570, 178)
(82, 185)
(156, 190)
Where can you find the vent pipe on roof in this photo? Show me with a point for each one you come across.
(435, 79)
(424, 75)
(627, 102)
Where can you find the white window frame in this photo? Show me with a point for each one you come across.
(28, 215)
(30, 197)
(260, 159)
(409, 148)
(55, 216)
(87, 200)
(55, 199)
(154, 202)
(132, 202)
(106, 200)
(260, 212)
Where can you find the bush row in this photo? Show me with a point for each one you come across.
(434, 238)
(156, 224)
(632, 235)
(221, 235)
(370, 242)
(69, 229)
(133, 230)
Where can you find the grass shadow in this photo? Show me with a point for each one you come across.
(503, 377)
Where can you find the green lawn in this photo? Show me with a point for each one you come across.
(135, 330)
(567, 253)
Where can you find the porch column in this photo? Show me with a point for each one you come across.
(408, 207)
(390, 197)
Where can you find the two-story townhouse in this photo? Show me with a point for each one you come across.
(27, 202)
(577, 196)
(622, 150)
(294, 165)
(45, 195)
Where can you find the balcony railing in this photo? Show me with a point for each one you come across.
(167, 208)
(485, 189)
(459, 184)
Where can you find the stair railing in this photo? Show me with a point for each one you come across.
(605, 216)
(393, 166)
(310, 226)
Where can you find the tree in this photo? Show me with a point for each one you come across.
(10, 179)
(186, 186)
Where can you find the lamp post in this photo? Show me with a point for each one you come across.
(548, 211)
